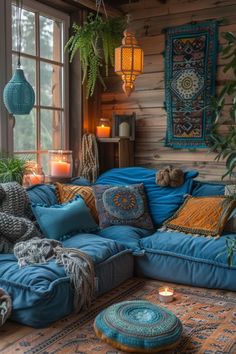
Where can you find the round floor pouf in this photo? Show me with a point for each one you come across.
(138, 327)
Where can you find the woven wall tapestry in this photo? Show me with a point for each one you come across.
(190, 70)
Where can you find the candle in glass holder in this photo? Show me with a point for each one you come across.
(60, 169)
(103, 128)
(103, 131)
(34, 178)
(166, 294)
(60, 163)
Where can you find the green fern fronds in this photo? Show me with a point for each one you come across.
(96, 41)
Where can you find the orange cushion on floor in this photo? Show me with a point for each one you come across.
(66, 192)
(202, 215)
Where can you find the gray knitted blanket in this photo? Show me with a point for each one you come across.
(18, 234)
(15, 224)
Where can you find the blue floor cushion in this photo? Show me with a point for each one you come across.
(138, 327)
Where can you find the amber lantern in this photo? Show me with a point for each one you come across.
(129, 61)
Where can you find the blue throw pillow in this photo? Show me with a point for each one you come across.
(61, 221)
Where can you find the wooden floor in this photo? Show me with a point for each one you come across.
(11, 332)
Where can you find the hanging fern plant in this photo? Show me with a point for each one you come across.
(96, 41)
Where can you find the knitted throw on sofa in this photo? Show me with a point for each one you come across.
(18, 234)
(15, 224)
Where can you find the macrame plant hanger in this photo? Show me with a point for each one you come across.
(98, 5)
(18, 94)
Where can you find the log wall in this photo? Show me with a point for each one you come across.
(149, 18)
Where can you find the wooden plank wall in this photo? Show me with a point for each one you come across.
(149, 18)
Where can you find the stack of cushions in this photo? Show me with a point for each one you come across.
(66, 192)
(162, 201)
(82, 207)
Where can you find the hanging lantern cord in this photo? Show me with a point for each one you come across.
(98, 5)
(18, 29)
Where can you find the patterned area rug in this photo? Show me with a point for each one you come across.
(190, 67)
(208, 317)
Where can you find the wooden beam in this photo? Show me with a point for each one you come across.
(89, 4)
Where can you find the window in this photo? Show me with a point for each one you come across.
(42, 58)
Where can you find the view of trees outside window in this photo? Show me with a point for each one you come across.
(42, 60)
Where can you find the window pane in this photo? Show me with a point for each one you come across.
(43, 160)
(27, 157)
(51, 132)
(50, 76)
(29, 67)
(27, 30)
(25, 132)
(50, 39)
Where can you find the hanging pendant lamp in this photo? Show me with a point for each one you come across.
(129, 61)
(18, 94)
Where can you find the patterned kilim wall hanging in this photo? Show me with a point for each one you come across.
(190, 70)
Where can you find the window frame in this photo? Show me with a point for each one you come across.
(49, 12)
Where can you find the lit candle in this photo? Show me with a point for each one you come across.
(31, 179)
(166, 294)
(35, 179)
(60, 169)
(124, 130)
(103, 131)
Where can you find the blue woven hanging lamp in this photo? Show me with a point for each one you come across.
(18, 94)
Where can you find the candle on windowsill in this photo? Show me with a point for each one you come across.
(166, 294)
(34, 179)
(60, 163)
(60, 169)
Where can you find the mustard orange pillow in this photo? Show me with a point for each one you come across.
(66, 192)
(202, 215)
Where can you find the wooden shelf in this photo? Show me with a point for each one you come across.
(120, 153)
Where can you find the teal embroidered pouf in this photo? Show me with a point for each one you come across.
(138, 327)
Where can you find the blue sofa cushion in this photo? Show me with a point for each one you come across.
(162, 201)
(42, 194)
(176, 257)
(42, 293)
(122, 205)
(201, 189)
(61, 221)
(127, 236)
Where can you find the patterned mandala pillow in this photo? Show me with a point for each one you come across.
(122, 205)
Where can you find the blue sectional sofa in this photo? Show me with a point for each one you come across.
(42, 293)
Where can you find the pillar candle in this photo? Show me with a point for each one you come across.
(124, 130)
(103, 131)
(60, 169)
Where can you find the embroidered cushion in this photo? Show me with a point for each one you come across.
(138, 327)
(122, 205)
(202, 215)
(61, 221)
(66, 192)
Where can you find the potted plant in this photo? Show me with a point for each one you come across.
(12, 169)
(225, 145)
(96, 41)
